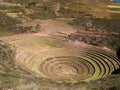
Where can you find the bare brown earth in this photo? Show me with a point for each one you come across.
(52, 26)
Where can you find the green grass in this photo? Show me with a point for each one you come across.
(7, 79)
(8, 26)
(6, 21)
(115, 16)
(43, 14)
(12, 8)
(114, 9)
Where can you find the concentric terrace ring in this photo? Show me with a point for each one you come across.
(49, 58)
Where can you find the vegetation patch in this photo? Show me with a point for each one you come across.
(97, 40)
(99, 24)
(6, 51)
(6, 21)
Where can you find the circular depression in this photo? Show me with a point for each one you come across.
(49, 58)
(63, 65)
(66, 68)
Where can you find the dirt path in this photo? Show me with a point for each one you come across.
(108, 34)
(113, 7)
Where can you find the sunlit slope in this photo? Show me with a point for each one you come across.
(44, 9)
(62, 61)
